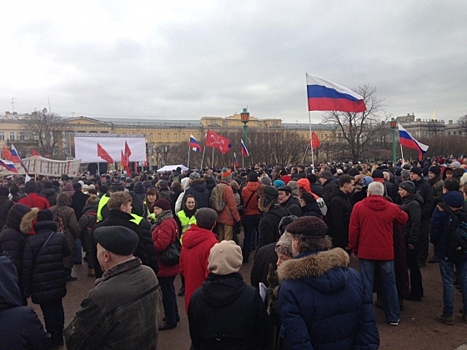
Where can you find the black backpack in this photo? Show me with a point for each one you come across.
(457, 234)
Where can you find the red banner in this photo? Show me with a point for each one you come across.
(217, 141)
(102, 153)
(314, 140)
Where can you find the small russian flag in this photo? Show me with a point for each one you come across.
(409, 141)
(15, 158)
(195, 146)
(8, 166)
(235, 161)
(245, 152)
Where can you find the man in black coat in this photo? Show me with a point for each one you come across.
(5, 205)
(330, 186)
(226, 313)
(287, 200)
(424, 189)
(268, 229)
(339, 210)
(78, 200)
(120, 214)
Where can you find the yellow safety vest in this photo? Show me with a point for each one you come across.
(102, 202)
(136, 219)
(185, 221)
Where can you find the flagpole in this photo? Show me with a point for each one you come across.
(311, 135)
(243, 161)
(402, 155)
(188, 163)
(202, 158)
(304, 154)
(212, 158)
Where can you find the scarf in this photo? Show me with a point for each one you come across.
(167, 214)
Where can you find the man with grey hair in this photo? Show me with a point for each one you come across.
(371, 240)
(316, 313)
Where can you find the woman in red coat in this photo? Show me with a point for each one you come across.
(166, 232)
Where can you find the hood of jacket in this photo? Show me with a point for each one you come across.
(375, 202)
(198, 185)
(195, 235)
(138, 188)
(414, 197)
(222, 290)
(325, 271)
(91, 207)
(63, 199)
(10, 295)
(48, 192)
(253, 186)
(454, 199)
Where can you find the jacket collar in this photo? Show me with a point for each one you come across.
(124, 266)
(313, 265)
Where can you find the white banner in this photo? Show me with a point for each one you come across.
(86, 147)
(45, 166)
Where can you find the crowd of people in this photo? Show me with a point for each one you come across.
(299, 227)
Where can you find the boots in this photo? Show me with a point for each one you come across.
(91, 273)
(68, 276)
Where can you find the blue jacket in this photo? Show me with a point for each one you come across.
(439, 225)
(322, 303)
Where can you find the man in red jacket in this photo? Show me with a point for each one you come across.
(371, 239)
(197, 242)
(32, 199)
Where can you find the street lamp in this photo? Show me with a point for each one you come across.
(245, 117)
(393, 124)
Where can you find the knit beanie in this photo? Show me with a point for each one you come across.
(45, 215)
(266, 180)
(280, 183)
(416, 170)
(309, 226)
(435, 170)
(30, 187)
(366, 181)
(409, 186)
(284, 244)
(164, 204)
(294, 186)
(225, 258)
(226, 174)
(326, 175)
(377, 174)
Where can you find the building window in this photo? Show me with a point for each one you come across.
(12, 135)
(22, 136)
(167, 136)
(199, 135)
(2, 136)
(159, 136)
(183, 137)
(151, 136)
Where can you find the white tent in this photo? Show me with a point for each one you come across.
(172, 168)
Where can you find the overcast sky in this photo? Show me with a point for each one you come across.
(188, 59)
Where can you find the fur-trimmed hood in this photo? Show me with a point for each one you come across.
(325, 270)
(28, 220)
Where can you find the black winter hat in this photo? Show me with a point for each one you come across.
(285, 189)
(119, 240)
(30, 187)
(377, 174)
(270, 192)
(416, 170)
(45, 215)
(4, 191)
(435, 170)
(409, 186)
(326, 175)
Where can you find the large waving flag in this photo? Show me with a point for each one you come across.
(8, 166)
(245, 152)
(315, 142)
(408, 141)
(102, 153)
(6, 154)
(194, 145)
(15, 158)
(217, 141)
(324, 95)
(127, 151)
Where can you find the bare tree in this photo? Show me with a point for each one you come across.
(48, 128)
(360, 129)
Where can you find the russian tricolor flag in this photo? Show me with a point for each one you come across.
(195, 146)
(408, 141)
(245, 152)
(15, 158)
(8, 166)
(324, 95)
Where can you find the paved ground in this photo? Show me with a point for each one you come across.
(417, 329)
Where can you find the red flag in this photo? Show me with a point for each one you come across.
(124, 160)
(6, 153)
(35, 153)
(127, 151)
(314, 140)
(102, 153)
(217, 141)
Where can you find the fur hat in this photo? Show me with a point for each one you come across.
(284, 244)
(119, 240)
(225, 258)
(226, 174)
(164, 204)
(416, 170)
(435, 170)
(309, 226)
(409, 186)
